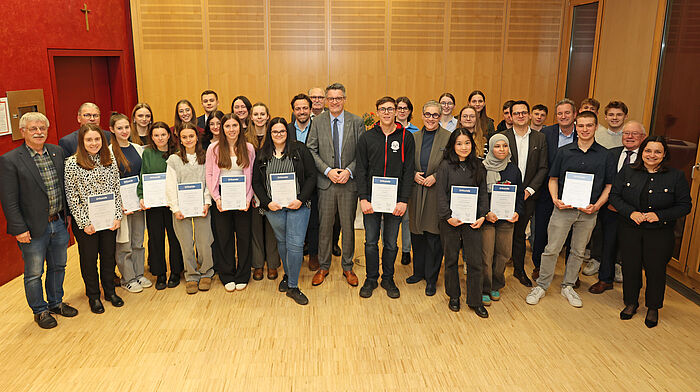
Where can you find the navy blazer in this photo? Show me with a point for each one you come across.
(200, 122)
(552, 134)
(69, 143)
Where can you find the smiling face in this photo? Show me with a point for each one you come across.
(520, 115)
(336, 101)
(431, 117)
(93, 142)
(121, 129)
(89, 115)
(232, 129)
(387, 113)
(468, 118)
(240, 110)
(402, 111)
(188, 139)
(35, 133)
(632, 135)
(210, 103)
(478, 102)
(500, 149)
(142, 117)
(318, 101)
(653, 154)
(463, 147)
(585, 128)
(447, 105)
(565, 115)
(160, 137)
(215, 126)
(278, 134)
(184, 112)
(615, 118)
(302, 110)
(259, 116)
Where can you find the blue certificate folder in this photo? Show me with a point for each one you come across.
(153, 177)
(504, 188)
(129, 180)
(385, 180)
(579, 176)
(230, 179)
(189, 187)
(281, 177)
(99, 198)
(468, 190)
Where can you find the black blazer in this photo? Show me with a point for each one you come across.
(537, 165)
(23, 193)
(200, 121)
(304, 169)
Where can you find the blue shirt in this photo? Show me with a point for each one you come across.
(564, 140)
(303, 133)
(412, 128)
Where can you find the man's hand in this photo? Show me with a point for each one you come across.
(589, 209)
(526, 194)
(514, 218)
(560, 204)
(366, 207)
(343, 176)
(274, 206)
(294, 205)
(491, 217)
(400, 208)
(24, 238)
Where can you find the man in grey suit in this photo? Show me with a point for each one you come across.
(332, 141)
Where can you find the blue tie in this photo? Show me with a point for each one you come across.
(336, 144)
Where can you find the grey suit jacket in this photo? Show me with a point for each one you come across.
(320, 143)
(537, 165)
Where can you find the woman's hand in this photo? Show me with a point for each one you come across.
(205, 210)
(89, 229)
(179, 215)
(125, 212)
(219, 205)
(274, 206)
(429, 181)
(454, 222)
(651, 217)
(637, 217)
(143, 205)
(294, 205)
(115, 226)
(418, 178)
(514, 218)
(491, 217)
(478, 223)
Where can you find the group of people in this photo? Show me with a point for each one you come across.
(404, 178)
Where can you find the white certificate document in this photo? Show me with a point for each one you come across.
(384, 192)
(283, 187)
(154, 190)
(190, 198)
(130, 200)
(503, 200)
(463, 200)
(101, 210)
(233, 192)
(577, 189)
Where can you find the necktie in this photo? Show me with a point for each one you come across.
(336, 144)
(628, 158)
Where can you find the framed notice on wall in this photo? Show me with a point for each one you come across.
(5, 124)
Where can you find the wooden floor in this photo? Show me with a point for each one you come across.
(259, 339)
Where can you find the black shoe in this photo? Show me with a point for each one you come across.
(96, 306)
(336, 250)
(391, 290)
(578, 283)
(454, 304)
(406, 258)
(174, 280)
(116, 301)
(480, 311)
(413, 279)
(45, 320)
(367, 288)
(298, 297)
(161, 283)
(652, 319)
(64, 310)
(628, 312)
(522, 278)
(430, 289)
(283, 287)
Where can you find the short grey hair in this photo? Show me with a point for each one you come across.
(87, 105)
(635, 123)
(32, 116)
(566, 101)
(336, 86)
(432, 103)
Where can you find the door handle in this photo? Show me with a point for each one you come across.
(692, 170)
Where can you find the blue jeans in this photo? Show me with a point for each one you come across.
(51, 246)
(290, 230)
(373, 222)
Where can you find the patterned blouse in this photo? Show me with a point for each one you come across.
(81, 183)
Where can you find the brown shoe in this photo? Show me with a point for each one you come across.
(351, 278)
(258, 274)
(535, 273)
(191, 287)
(319, 277)
(204, 284)
(600, 287)
(313, 263)
(272, 273)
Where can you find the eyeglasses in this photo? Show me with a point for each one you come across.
(35, 129)
(518, 114)
(433, 115)
(317, 97)
(635, 134)
(386, 110)
(402, 109)
(89, 116)
(447, 104)
(335, 99)
(278, 133)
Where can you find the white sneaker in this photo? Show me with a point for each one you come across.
(573, 298)
(144, 282)
(241, 286)
(535, 295)
(618, 273)
(133, 287)
(230, 287)
(591, 268)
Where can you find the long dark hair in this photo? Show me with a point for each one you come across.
(122, 162)
(639, 163)
(178, 121)
(208, 135)
(473, 163)
(172, 143)
(135, 137)
(182, 152)
(240, 147)
(247, 104)
(82, 157)
(267, 151)
(481, 116)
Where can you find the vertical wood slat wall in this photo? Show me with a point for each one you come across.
(271, 50)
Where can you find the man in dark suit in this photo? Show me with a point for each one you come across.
(210, 103)
(33, 200)
(88, 113)
(529, 152)
(332, 141)
(507, 121)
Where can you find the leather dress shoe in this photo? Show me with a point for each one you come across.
(319, 277)
(652, 319)
(116, 300)
(628, 312)
(96, 306)
(599, 287)
(174, 280)
(336, 250)
(523, 279)
(313, 263)
(413, 279)
(45, 320)
(454, 304)
(535, 273)
(257, 274)
(406, 258)
(391, 290)
(161, 282)
(430, 289)
(351, 278)
(64, 310)
(480, 311)
(271, 273)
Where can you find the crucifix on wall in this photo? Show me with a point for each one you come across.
(85, 10)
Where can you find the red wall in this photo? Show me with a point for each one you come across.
(31, 28)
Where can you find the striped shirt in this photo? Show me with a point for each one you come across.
(279, 166)
(50, 177)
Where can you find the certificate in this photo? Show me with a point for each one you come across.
(463, 200)
(130, 200)
(190, 198)
(154, 190)
(577, 189)
(283, 187)
(384, 191)
(503, 200)
(233, 192)
(101, 210)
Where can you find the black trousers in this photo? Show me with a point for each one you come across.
(648, 248)
(312, 228)
(427, 256)
(159, 221)
(454, 239)
(104, 243)
(519, 236)
(232, 231)
(609, 250)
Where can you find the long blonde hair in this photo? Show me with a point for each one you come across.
(250, 131)
(479, 138)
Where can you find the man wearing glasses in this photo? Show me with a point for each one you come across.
(332, 141)
(88, 113)
(318, 101)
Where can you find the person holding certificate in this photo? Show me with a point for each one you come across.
(497, 231)
(189, 200)
(131, 254)
(91, 172)
(461, 168)
(284, 178)
(650, 197)
(159, 219)
(385, 162)
(580, 168)
(229, 159)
